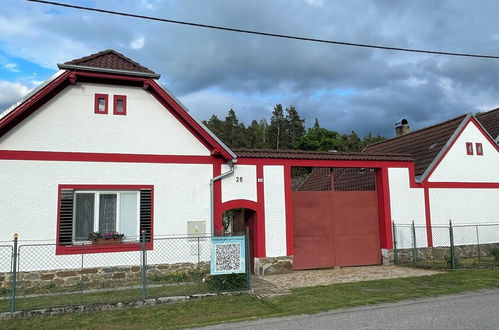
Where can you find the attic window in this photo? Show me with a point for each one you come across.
(101, 103)
(119, 105)
(469, 148)
(479, 149)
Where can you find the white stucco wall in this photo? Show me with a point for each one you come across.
(275, 211)
(406, 205)
(457, 166)
(240, 185)
(29, 192)
(68, 123)
(466, 208)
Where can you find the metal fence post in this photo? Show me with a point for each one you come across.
(14, 276)
(144, 264)
(414, 245)
(452, 252)
(478, 242)
(199, 251)
(395, 258)
(248, 258)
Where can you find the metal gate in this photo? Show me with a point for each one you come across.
(335, 228)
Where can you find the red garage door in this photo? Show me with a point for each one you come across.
(335, 228)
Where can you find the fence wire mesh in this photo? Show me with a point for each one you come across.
(447, 247)
(174, 266)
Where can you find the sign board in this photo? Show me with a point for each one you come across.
(227, 255)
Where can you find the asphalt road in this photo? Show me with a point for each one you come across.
(475, 310)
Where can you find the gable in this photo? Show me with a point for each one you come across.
(457, 165)
(68, 123)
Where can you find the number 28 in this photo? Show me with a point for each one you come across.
(239, 179)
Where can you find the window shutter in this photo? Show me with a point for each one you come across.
(66, 205)
(146, 212)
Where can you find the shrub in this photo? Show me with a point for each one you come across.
(227, 282)
(495, 253)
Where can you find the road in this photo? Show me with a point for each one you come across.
(475, 310)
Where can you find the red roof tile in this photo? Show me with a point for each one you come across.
(490, 121)
(110, 59)
(423, 145)
(319, 155)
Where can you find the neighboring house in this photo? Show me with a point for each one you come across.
(102, 146)
(455, 177)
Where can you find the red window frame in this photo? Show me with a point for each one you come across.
(89, 248)
(479, 149)
(115, 105)
(106, 104)
(469, 148)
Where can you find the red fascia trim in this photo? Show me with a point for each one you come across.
(33, 103)
(462, 185)
(106, 104)
(480, 128)
(427, 207)
(260, 216)
(178, 112)
(115, 105)
(469, 148)
(78, 249)
(289, 211)
(479, 149)
(238, 204)
(103, 157)
(322, 163)
(384, 212)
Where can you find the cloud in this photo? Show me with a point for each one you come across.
(11, 67)
(11, 93)
(346, 88)
(137, 43)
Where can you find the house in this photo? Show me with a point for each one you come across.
(455, 174)
(103, 146)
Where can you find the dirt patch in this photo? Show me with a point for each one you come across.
(302, 278)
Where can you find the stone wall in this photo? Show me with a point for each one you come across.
(273, 265)
(103, 277)
(443, 253)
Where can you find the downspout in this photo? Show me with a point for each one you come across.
(231, 164)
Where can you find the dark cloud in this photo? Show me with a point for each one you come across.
(345, 88)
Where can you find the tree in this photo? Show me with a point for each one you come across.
(233, 131)
(295, 126)
(277, 129)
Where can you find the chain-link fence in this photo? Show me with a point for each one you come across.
(446, 246)
(37, 277)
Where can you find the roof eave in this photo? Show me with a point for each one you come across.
(444, 149)
(106, 70)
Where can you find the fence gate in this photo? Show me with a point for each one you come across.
(335, 228)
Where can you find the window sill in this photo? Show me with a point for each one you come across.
(88, 247)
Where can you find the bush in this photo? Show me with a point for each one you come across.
(227, 282)
(495, 253)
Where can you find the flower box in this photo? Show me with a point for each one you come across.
(103, 241)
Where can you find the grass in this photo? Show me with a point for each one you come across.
(219, 309)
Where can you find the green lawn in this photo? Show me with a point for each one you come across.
(218, 309)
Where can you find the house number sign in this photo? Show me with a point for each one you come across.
(239, 179)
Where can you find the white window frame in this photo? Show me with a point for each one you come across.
(118, 193)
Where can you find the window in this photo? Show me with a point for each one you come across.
(469, 148)
(106, 211)
(104, 208)
(119, 105)
(101, 103)
(479, 149)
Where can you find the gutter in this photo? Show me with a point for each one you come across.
(231, 164)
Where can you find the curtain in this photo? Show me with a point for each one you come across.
(107, 213)
(128, 215)
(84, 215)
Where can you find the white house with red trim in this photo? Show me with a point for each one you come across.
(102, 146)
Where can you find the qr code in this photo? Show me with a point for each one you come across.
(228, 257)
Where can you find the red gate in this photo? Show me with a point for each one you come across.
(335, 228)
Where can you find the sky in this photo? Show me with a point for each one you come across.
(345, 88)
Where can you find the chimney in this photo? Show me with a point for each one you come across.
(402, 128)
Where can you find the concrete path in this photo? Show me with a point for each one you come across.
(475, 310)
